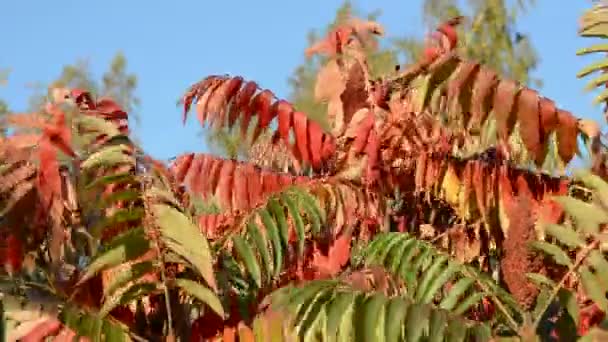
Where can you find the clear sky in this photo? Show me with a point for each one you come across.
(172, 44)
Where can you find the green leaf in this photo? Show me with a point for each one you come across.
(587, 216)
(431, 289)
(372, 312)
(298, 222)
(134, 292)
(541, 280)
(396, 311)
(565, 235)
(417, 321)
(98, 124)
(119, 216)
(273, 233)
(593, 288)
(336, 310)
(123, 195)
(451, 300)
(278, 212)
(557, 253)
(429, 275)
(599, 263)
(595, 67)
(568, 301)
(202, 293)
(127, 274)
(438, 325)
(592, 49)
(182, 237)
(108, 156)
(119, 178)
(251, 264)
(260, 245)
(596, 183)
(129, 247)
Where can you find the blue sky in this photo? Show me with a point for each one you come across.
(172, 44)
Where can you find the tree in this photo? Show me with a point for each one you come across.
(3, 105)
(116, 83)
(491, 39)
(491, 36)
(393, 233)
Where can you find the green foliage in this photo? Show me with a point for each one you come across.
(593, 25)
(335, 311)
(578, 244)
(151, 209)
(427, 274)
(262, 245)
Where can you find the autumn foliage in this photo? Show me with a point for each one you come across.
(430, 204)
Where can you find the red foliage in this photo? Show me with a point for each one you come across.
(215, 94)
(337, 257)
(445, 39)
(237, 185)
(589, 317)
(11, 252)
(340, 37)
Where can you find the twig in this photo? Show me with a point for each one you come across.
(513, 324)
(585, 251)
(162, 262)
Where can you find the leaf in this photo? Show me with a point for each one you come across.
(541, 280)
(587, 216)
(593, 288)
(108, 156)
(297, 219)
(99, 125)
(373, 310)
(394, 317)
(565, 235)
(124, 275)
(260, 245)
(246, 254)
(183, 237)
(568, 301)
(557, 253)
(337, 256)
(213, 99)
(335, 313)
(201, 293)
(123, 249)
(133, 292)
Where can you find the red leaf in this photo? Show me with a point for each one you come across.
(241, 102)
(337, 256)
(284, 111)
(315, 143)
(567, 132)
(110, 109)
(300, 125)
(504, 101)
(265, 112)
(363, 133)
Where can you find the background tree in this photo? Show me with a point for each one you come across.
(116, 82)
(490, 37)
(3, 105)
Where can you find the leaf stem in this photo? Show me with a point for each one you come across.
(580, 258)
(163, 275)
(512, 323)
